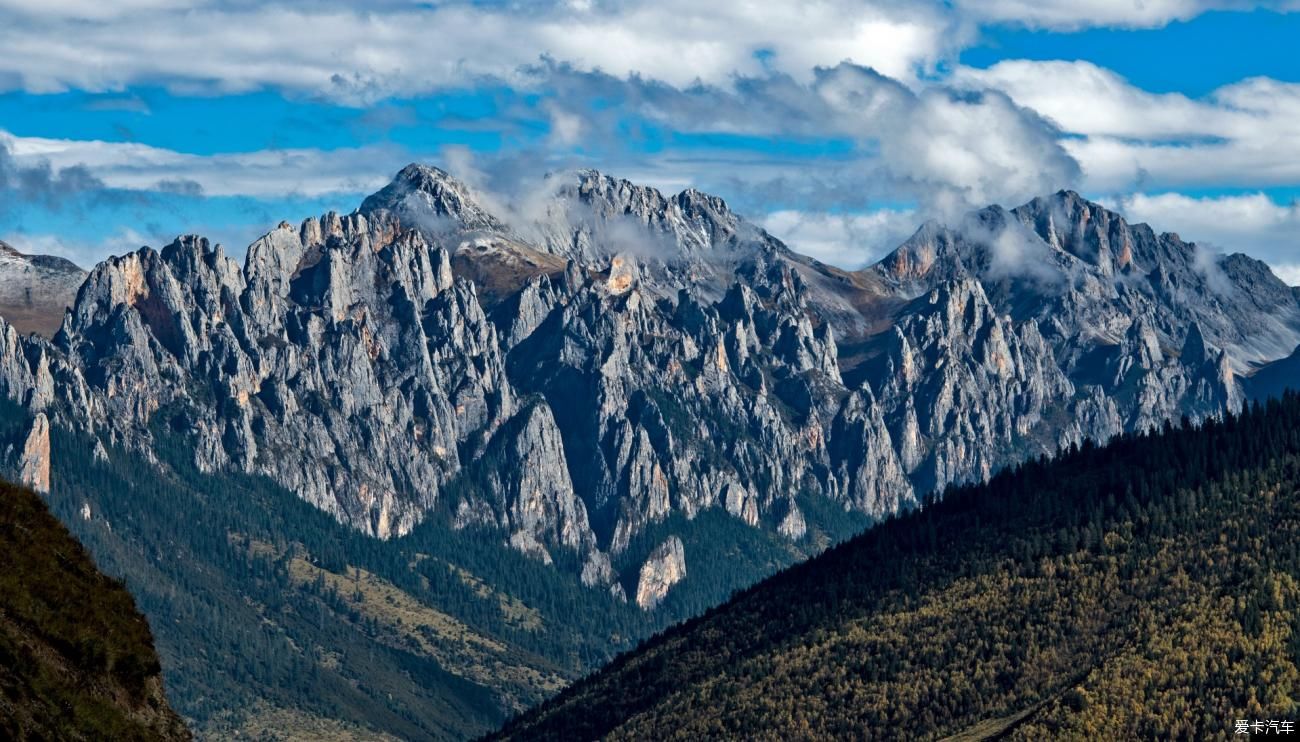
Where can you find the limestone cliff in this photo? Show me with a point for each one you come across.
(628, 356)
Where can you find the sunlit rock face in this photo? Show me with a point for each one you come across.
(34, 463)
(565, 376)
(665, 567)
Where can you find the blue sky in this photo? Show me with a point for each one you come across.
(839, 125)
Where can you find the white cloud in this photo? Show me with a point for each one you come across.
(395, 47)
(363, 54)
(948, 151)
(767, 70)
(849, 241)
(951, 151)
(1245, 134)
(973, 151)
(1112, 165)
(1077, 14)
(1084, 98)
(1289, 272)
(1250, 223)
(83, 10)
(127, 165)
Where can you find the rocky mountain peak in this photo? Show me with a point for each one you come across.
(617, 195)
(932, 255)
(9, 253)
(693, 199)
(1067, 221)
(1082, 271)
(610, 195)
(599, 215)
(431, 199)
(36, 289)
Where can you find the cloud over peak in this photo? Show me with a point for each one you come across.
(834, 117)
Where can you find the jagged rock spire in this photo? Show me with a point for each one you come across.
(645, 356)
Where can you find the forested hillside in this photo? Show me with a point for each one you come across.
(77, 660)
(1147, 589)
(272, 617)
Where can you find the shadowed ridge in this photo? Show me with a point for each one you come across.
(76, 658)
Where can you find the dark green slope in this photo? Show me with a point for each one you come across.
(1147, 589)
(76, 659)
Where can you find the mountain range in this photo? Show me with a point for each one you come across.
(643, 394)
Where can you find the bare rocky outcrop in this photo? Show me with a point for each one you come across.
(665, 567)
(532, 497)
(628, 356)
(34, 463)
(345, 342)
(964, 386)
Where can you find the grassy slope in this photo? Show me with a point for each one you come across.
(1148, 589)
(76, 658)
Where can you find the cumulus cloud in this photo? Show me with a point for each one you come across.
(66, 187)
(1244, 134)
(395, 48)
(1084, 98)
(623, 86)
(115, 197)
(950, 149)
(968, 150)
(1289, 272)
(947, 149)
(85, 10)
